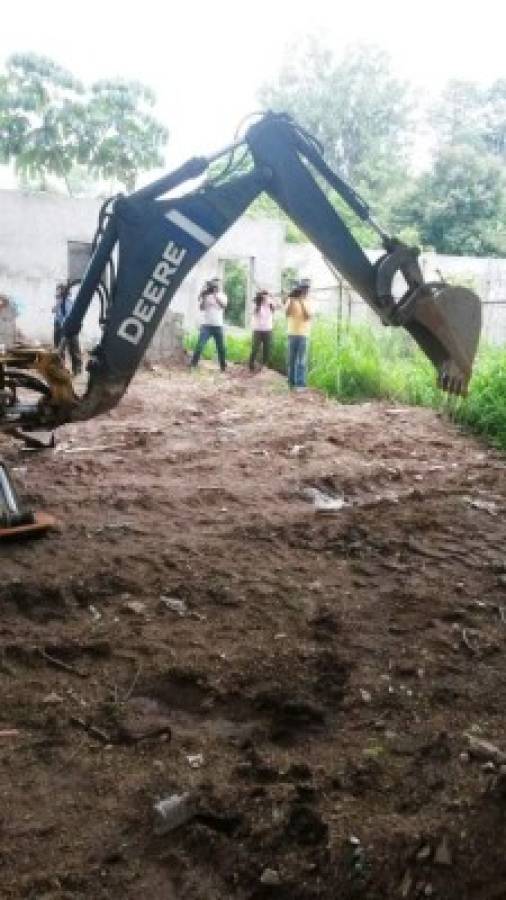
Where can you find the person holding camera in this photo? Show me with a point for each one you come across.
(262, 321)
(212, 304)
(299, 313)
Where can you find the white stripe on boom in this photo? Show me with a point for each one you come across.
(186, 224)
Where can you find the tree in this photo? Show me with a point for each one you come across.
(471, 115)
(355, 106)
(41, 111)
(49, 124)
(494, 132)
(459, 207)
(121, 137)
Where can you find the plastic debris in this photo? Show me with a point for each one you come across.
(270, 877)
(135, 607)
(485, 750)
(174, 605)
(489, 506)
(324, 504)
(172, 812)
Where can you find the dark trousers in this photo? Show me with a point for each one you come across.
(206, 332)
(72, 345)
(297, 360)
(261, 339)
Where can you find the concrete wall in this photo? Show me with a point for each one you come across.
(36, 228)
(34, 231)
(485, 276)
(261, 241)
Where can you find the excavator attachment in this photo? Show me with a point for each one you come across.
(445, 321)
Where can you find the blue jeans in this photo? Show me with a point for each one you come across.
(297, 360)
(206, 332)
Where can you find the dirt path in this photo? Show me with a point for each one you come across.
(326, 668)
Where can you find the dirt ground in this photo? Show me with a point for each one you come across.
(314, 689)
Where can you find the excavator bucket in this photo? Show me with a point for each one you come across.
(445, 321)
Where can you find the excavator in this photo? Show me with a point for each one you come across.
(148, 242)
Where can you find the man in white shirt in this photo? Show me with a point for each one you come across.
(212, 303)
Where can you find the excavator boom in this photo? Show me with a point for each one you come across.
(146, 244)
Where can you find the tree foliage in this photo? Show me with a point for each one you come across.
(354, 105)
(460, 203)
(50, 123)
(123, 138)
(365, 119)
(471, 115)
(459, 206)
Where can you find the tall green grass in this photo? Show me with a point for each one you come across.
(484, 410)
(357, 362)
(238, 346)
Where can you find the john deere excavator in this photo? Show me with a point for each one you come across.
(146, 244)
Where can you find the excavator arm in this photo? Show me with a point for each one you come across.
(147, 244)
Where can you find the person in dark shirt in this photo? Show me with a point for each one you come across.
(62, 306)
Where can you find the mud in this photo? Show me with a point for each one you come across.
(323, 669)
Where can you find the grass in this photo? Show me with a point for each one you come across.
(484, 410)
(358, 362)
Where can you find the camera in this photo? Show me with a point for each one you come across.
(210, 287)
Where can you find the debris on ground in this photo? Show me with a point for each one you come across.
(324, 503)
(485, 750)
(270, 878)
(172, 812)
(442, 853)
(174, 605)
(135, 607)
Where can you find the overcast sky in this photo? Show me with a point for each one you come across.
(206, 59)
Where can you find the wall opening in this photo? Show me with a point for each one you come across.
(237, 279)
(78, 257)
(289, 278)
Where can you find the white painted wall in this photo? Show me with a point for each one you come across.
(35, 229)
(485, 276)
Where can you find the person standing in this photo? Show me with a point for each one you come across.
(61, 309)
(299, 313)
(263, 310)
(212, 304)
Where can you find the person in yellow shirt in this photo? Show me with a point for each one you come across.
(299, 313)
